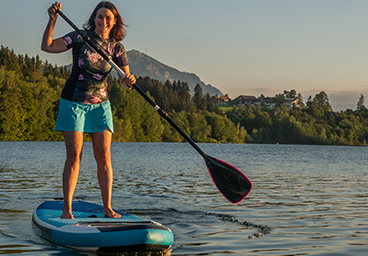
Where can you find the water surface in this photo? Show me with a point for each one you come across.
(313, 199)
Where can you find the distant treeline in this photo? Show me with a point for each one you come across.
(30, 93)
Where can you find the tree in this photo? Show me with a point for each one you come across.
(360, 104)
(184, 102)
(309, 101)
(300, 98)
(290, 94)
(280, 99)
(12, 114)
(198, 97)
(321, 100)
(208, 104)
(199, 129)
(261, 98)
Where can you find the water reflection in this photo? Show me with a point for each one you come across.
(306, 200)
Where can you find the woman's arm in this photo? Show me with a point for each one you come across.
(48, 43)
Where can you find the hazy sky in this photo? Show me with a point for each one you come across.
(239, 46)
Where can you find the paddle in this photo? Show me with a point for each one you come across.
(232, 183)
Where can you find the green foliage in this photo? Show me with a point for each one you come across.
(198, 97)
(225, 108)
(360, 104)
(30, 91)
(27, 102)
(317, 124)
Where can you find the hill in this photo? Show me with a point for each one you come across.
(143, 65)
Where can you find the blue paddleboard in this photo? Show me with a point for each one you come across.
(90, 231)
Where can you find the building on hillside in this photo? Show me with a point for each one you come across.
(220, 100)
(246, 100)
(268, 101)
(291, 102)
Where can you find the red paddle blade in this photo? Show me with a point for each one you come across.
(231, 182)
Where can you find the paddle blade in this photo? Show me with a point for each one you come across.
(232, 183)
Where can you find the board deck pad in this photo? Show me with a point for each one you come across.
(81, 210)
(90, 231)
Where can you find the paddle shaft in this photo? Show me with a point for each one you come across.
(168, 119)
(135, 86)
(231, 182)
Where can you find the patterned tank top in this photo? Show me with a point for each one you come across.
(87, 83)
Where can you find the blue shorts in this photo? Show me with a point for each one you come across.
(86, 118)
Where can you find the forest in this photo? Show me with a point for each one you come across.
(30, 93)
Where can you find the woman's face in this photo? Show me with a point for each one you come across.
(104, 22)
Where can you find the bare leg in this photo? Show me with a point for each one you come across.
(74, 146)
(101, 148)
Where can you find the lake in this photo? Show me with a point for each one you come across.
(313, 199)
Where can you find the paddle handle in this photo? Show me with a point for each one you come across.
(135, 86)
(88, 40)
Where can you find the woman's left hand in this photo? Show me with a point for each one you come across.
(130, 79)
(127, 81)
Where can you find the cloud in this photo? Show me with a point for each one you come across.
(343, 100)
(267, 91)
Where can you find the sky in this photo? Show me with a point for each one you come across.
(241, 47)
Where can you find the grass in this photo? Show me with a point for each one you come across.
(225, 108)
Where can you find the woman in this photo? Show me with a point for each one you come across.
(84, 104)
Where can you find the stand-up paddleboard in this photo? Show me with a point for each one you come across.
(90, 231)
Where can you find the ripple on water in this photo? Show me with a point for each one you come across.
(306, 200)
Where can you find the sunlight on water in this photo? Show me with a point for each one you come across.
(306, 200)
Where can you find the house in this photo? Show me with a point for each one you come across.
(269, 101)
(217, 100)
(246, 100)
(291, 102)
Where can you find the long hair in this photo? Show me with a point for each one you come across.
(117, 32)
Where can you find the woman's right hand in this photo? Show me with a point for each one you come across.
(48, 44)
(52, 10)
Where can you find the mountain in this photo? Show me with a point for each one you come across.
(143, 65)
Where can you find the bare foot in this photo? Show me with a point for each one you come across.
(111, 214)
(67, 214)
